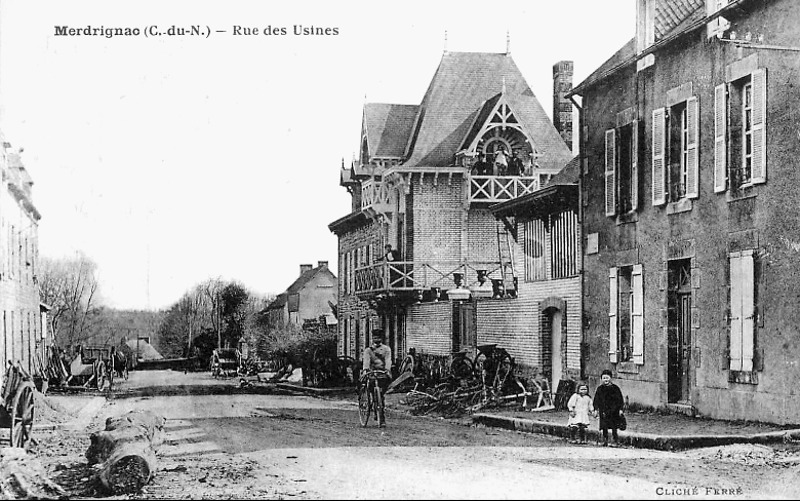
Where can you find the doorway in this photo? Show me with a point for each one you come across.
(552, 346)
(679, 331)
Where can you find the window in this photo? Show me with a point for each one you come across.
(740, 159)
(621, 169)
(626, 314)
(534, 248)
(551, 241)
(742, 316)
(675, 153)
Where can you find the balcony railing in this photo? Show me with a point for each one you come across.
(374, 195)
(493, 189)
(420, 275)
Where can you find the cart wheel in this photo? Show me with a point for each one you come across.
(22, 416)
(101, 376)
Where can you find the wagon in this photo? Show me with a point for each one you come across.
(225, 362)
(92, 365)
(17, 407)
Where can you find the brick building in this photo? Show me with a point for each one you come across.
(689, 153)
(22, 337)
(309, 297)
(421, 185)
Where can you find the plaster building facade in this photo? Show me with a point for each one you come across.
(689, 152)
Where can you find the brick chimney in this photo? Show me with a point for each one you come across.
(322, 264)
(562, 107)
(305, 267)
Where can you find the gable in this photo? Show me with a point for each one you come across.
(496, 117)
(459, 91)
(386, 128)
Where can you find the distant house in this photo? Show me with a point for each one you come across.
(143, 349)
(308, 298)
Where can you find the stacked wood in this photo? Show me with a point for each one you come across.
(126, 450)
(23, 477)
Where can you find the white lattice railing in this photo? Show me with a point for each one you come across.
(374, 195)
(417, 275)
(494, 189)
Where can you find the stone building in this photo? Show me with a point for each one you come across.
(424, 183)
(22, 337)
(689, 151)
(309, 297)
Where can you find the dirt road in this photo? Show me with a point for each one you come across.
(265, 446)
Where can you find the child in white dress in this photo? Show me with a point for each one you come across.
(580, 408)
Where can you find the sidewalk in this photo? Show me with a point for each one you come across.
(651, 430)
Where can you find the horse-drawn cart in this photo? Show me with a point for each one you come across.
(91, 367)
(17, 406)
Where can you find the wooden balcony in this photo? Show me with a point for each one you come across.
(374, 197)
(401, 276)
(493, 189)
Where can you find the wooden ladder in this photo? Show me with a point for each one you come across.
(506, 255)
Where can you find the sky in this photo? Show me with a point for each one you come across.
(169, 160)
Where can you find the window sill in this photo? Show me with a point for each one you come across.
(682, 205)
(743, 193)
(628, 217)
(743, 377)
(627, 368)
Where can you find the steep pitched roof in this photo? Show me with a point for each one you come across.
(671, 14)
(298, 284)
(145, 350)
(387, 127)
(672, 18)
(455, 97)
(623, 57)
(569, 174)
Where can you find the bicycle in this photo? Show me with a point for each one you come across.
(370, 397)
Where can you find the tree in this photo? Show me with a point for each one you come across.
(70, 287)
(234, 303)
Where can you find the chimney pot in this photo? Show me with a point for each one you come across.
(322, 264)
(305, 267)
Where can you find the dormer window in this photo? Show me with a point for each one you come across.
(645, 32)
(718, 25)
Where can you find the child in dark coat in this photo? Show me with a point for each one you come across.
(608, 403)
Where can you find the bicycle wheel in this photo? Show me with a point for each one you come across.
(505, 367)
(462, 368)
(407, 365)
(364, 404)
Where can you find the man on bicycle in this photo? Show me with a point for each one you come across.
(378, 357)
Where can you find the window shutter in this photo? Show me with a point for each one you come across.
(659, 128)
(692, 188)
(736, 311)
(637, 314)
(611, 162)
(759, 78)
(720, 146)
(635, 165)
(748, 309)
(612, 315)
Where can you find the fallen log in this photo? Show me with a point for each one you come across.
(126, 450)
